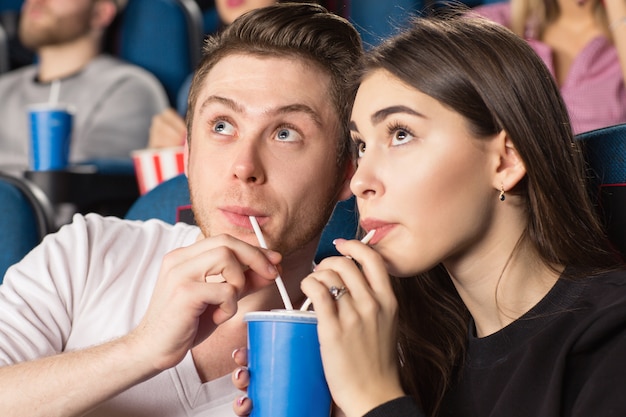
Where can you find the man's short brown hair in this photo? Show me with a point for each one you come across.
(303, 31)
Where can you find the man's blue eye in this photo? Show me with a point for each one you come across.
(223, 127)
(288, 135)
(283, 134)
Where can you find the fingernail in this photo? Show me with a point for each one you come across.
(272, 269)
(239, 371)
(241, 400)
(232, 355)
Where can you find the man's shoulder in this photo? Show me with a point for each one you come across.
(116, 226)
(96, 232)
(107, 71)
(113, 67)
(11, 77)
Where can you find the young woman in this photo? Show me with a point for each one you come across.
(582, 42)
(505, 299)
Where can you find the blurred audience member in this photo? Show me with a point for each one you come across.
(582, 42)
(114, 102)
(167, 129)
(228, 11)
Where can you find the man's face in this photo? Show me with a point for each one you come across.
(54, 22)
(264, 143)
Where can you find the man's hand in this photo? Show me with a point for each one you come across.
(197, 290)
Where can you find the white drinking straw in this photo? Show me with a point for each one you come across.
(366, 239)
(279, 281)
(55, 90)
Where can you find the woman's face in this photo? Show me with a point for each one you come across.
(423, 182)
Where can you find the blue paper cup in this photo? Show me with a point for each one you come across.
(286, 374)
(50, 134)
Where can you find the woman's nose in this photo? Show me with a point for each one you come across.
(365, 183)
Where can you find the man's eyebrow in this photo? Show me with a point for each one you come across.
(382, 114)
(291, 108)
(224, 101)
(300, 108)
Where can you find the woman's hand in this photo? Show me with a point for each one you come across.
(357, 330)
(241, 378)
(242, 405)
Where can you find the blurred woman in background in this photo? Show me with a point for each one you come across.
(583, 43)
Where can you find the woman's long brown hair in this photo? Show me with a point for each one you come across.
(496, 82)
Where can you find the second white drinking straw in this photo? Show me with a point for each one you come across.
(366, 239)
(55, 91)
(279, 281)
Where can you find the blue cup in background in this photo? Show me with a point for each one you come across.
(50, 134)
(285, 365)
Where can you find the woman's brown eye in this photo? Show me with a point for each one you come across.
(360, 148)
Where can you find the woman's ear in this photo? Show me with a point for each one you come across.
(510, 169)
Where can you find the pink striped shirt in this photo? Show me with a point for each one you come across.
(593, 90)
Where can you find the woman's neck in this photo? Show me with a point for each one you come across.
(498, 297)
(502, 283)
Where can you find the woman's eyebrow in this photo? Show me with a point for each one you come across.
(382, 114)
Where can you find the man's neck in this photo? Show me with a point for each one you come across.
(60, 61)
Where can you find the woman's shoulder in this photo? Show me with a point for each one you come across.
(611, 284)
(601, 308)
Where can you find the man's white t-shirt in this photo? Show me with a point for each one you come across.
(90, 283)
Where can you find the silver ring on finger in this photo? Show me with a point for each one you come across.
(337, 292)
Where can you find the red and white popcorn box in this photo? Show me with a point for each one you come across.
(153, 166)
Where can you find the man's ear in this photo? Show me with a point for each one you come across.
(510, 168)
(186, 157)
(345, 192)
(104, 11)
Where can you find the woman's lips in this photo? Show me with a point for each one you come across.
(382, 229)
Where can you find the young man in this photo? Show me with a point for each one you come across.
(118, 318)
(114, 102)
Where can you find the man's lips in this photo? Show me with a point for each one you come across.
(240, 216)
